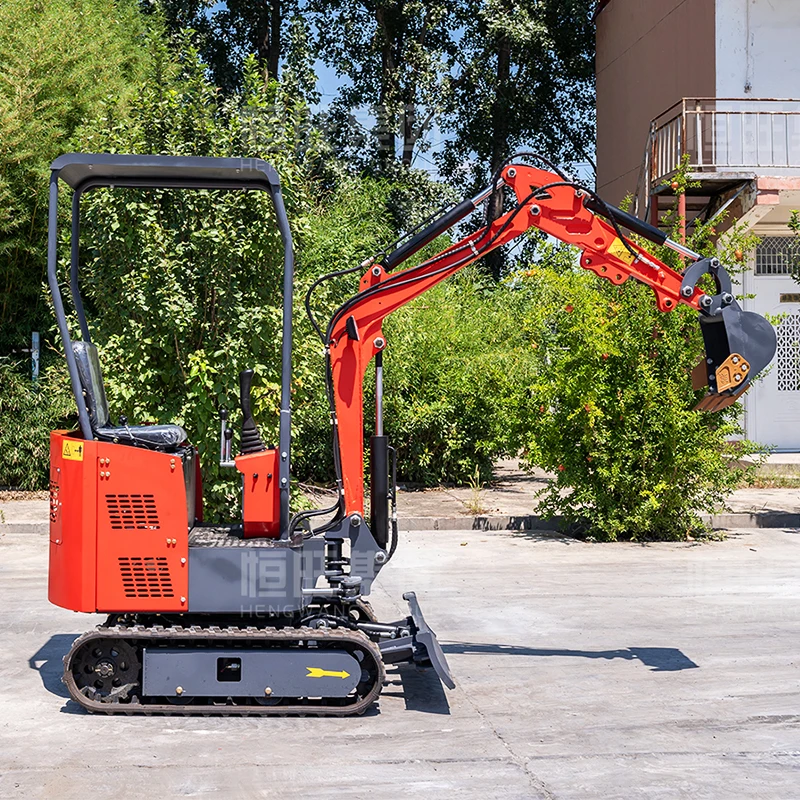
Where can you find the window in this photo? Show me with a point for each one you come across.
(776, 254)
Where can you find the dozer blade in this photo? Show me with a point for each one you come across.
(426, 639)
(420, 646)
(739, 345)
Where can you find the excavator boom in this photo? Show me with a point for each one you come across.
(739, 344)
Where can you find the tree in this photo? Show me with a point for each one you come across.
(231, 31)
(522, 77)
(62, 59)
(393, 55)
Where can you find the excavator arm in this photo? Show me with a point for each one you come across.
(739, 344)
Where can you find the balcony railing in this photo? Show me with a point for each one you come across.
(725, 135)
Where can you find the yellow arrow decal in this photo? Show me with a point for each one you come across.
(317, 672)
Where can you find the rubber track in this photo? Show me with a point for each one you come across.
(142, 634)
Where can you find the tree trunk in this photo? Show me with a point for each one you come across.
(273, 60)
(413, 127)
(409, 133)
(495, 260)
(268, 37)
(387, 142)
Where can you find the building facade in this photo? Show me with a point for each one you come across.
(716, 82)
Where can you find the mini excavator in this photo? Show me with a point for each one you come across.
(267, 615)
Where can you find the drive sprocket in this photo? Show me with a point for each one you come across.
(106, 670)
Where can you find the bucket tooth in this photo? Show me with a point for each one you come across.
(718, 402)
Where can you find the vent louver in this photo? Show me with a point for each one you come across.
(145, 576)
(132, 511)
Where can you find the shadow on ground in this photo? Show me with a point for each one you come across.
(659, 659)
(47, 661)
(421, 689)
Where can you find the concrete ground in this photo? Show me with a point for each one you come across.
(583, 671)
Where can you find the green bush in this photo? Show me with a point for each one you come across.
(347, 228)
(610, 410)
(183, 289)
(28, 412)
(456, 371)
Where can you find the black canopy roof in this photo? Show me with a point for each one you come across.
(84, 170)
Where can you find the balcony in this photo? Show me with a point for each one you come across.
(726, 135)
(728, 142)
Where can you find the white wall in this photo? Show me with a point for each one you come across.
(758, 48)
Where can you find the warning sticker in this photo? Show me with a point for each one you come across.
(618, 249)
(72, 451)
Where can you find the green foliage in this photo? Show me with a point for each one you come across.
(456, 370)
(393, 58)
(229, 33)
(29, 412)
(60, 60)
(611, 411)
(523, 74)
(183, 289)
(349, 225)
(793, 256)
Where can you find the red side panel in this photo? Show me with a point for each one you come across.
(73, 529)
(261, 495)
(142, 533)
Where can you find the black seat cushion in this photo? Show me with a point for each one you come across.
(157, 437)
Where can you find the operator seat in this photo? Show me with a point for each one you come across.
(155, 437)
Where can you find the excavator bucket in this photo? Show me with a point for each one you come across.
(739, 345)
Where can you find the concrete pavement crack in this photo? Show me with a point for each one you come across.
(537, 783)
